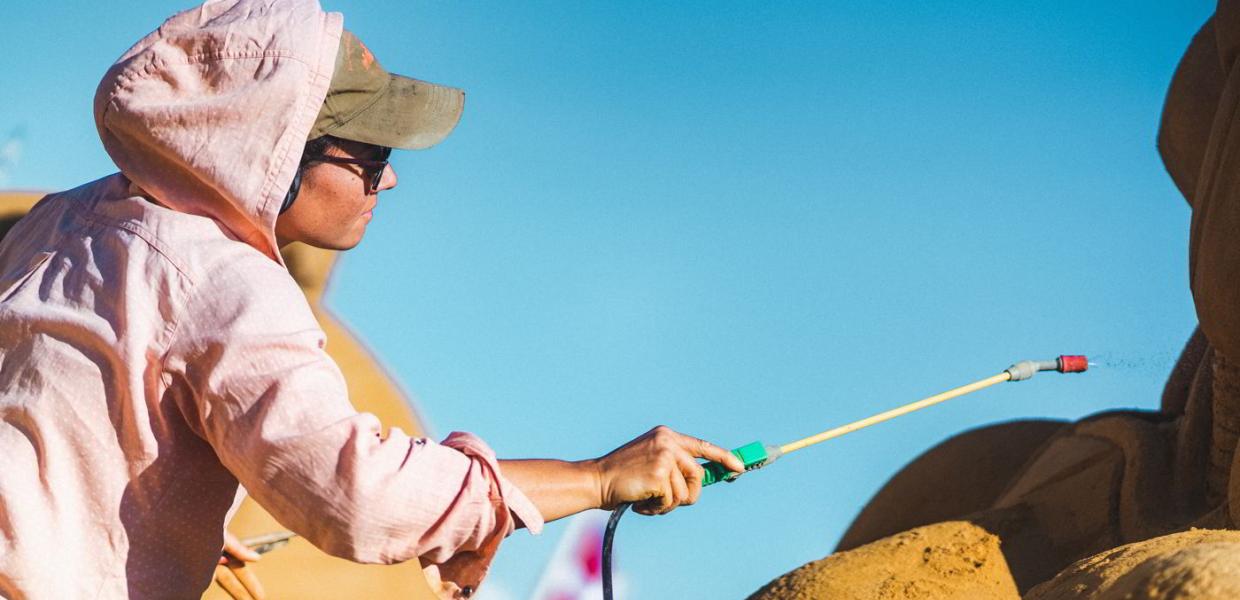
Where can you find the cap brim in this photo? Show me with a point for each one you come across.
(408, 114)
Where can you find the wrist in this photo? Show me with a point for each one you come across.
(594, 471)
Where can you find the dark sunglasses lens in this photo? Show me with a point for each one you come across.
(377, 178)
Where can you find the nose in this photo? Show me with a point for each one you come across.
(388, 181)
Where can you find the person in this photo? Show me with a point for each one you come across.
(157, 360)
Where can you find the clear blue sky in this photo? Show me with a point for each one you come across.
(744, 220)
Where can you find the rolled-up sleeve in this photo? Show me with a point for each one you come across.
(251, 377)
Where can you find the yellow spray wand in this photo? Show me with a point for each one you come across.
(756, 455)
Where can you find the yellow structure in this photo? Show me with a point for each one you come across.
(299, 570)
(13, 205)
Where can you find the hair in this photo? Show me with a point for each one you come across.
(318, 147)
(315, 147)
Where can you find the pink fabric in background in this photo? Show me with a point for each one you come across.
(154, 351)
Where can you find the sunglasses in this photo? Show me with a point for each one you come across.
(372, 170)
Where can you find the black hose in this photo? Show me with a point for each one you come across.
(608, 534)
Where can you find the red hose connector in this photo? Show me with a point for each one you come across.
(1073, 364)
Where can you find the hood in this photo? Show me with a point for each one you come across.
(209, 114)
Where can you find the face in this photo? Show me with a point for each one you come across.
(334, 204)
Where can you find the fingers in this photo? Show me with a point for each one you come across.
(232, 575)
(684, 477)
(704, 449)
(227, 579)
(662, 498)
(692, 472)
(651, 506)
(680, 489)
(240, 582)
(683, 484)
(249, 579)
(658, 471)
(236, 549)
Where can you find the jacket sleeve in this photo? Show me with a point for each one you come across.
(249, 373)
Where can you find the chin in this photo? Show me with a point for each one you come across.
(332, 240)
(344, 245)
(341, 244)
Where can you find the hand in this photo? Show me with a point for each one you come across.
(444, 590)
(658, 471)
(232, 575)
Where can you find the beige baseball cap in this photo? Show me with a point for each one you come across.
(367, 104)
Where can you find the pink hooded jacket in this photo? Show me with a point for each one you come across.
(154, 351)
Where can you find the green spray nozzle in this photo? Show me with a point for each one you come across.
(754, 455)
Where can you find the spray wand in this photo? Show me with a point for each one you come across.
(756, 455)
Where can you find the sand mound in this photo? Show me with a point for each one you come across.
(944, 561)
(1201, 564)
(937, 487)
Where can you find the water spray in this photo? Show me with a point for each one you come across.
(756, 455)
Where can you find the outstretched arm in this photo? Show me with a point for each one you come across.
(658, 471)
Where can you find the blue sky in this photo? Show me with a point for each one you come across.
(744, 220)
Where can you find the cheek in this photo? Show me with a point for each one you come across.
(333, 199)
(329, 209)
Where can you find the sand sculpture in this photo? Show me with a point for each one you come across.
(299, 570)
(1119, 505)
(954, 559)
(1199, 563)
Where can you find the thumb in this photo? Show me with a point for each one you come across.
(709, 451)
(238, 550)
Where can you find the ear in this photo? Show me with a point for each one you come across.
(293, 189)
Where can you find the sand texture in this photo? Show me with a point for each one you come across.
(944, 561)
(934, 487)
(1201, 564)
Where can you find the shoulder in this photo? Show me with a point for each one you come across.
(224, 286)
(224, 272)
(237, 287)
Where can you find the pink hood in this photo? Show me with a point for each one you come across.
(209, 114)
